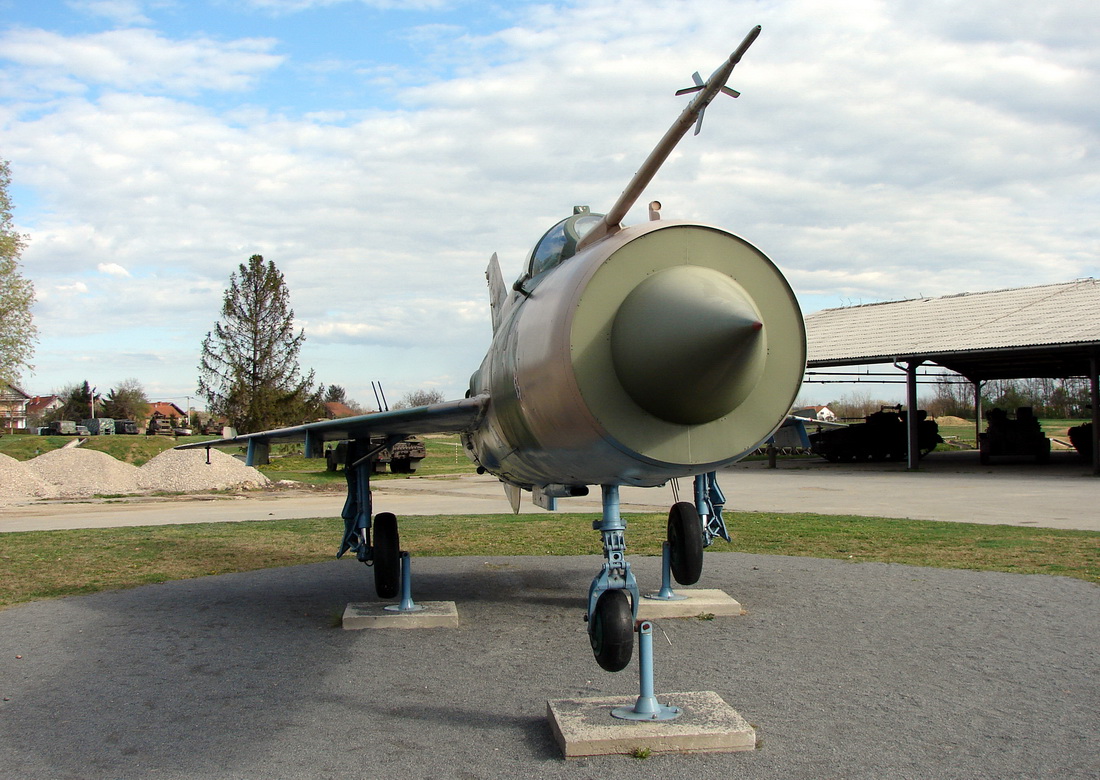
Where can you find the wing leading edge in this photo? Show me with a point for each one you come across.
(447, 417)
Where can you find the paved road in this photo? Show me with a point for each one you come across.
(950, 487)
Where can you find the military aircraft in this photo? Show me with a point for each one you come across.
(623, 355)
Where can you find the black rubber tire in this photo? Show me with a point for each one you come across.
(387, 556)
(685, 541)
(611, 630)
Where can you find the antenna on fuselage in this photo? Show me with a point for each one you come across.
(381, 401)
(693, 114)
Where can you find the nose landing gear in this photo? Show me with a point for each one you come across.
(611, 613)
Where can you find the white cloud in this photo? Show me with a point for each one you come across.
(134, 59)
(873, 155)
(121, 12)
(283, 7)
(112, 269)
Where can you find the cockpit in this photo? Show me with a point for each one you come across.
(558, 244)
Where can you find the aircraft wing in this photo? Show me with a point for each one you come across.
(447, 417)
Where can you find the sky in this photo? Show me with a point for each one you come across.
(379, 151)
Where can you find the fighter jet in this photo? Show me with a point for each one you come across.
(622, 355)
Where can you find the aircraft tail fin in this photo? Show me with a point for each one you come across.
(498, 293)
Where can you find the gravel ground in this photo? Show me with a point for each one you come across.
(187, 471)
(847, 670)
(17, 481)
(78, 473)
(83, 473)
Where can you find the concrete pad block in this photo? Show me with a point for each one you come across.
(703, 601)
(436, 614)
(585, 727)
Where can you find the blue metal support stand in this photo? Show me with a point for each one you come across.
(666, 593)
(646, 707)
(406, 604)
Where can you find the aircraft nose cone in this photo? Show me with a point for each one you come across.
(688, 344)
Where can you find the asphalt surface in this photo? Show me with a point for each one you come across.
(847, 670)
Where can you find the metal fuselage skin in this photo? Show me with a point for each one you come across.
(577, 399)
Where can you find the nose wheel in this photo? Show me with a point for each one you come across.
(611, 630)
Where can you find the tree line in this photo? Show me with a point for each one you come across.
(953, 396)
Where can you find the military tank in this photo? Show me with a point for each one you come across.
(882, 436)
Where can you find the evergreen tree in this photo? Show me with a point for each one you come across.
(249, 371)
(17, 332)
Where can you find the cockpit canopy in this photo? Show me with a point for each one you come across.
(559, 243)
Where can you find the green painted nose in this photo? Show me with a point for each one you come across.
(688, 344)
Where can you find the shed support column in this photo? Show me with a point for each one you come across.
(977, 410)
(911, 417)
(1094, 394)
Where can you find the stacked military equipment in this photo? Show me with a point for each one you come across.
(1007, 436)
(401, 458)
(881, 436)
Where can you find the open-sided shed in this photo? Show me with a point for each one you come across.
(1051, 330)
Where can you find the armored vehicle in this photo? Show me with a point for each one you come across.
(99, 426)
(401, 458)
(128, 427)
(881, 436)
(159, 426)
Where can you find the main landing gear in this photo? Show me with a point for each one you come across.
(613, 595)
(385, 552)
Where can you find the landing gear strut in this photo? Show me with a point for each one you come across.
(611, 612)
(384, 554)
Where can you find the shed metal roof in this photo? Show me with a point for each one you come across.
(1051, 330)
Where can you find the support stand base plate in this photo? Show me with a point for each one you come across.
(585, 727)
(436, 614)
(701, 601)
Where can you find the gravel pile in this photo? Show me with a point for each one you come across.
(186, 471)
(17, 481)
(81, 473)
(78, 473)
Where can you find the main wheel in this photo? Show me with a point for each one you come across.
(685, 541)
(611, 631)
(387, 556)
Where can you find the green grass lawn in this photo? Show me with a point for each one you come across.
(444, 455)
(48, 564)
(130, 449)
(964, 434)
